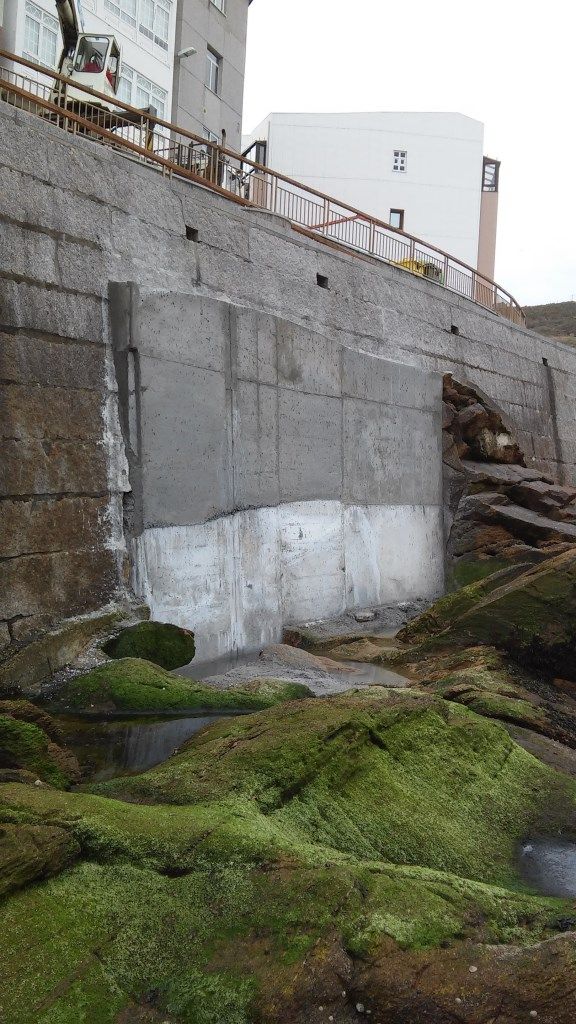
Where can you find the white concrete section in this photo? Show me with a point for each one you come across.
(312, 559)
(351, 156)
(392, 552)
(257, 607)
(186, 576)
(237, 580)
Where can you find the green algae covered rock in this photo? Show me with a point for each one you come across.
(24, 745)
(132, 684)
(29, 852)
(160, 642)
(447, 609)
(242, 879)
(532, 617)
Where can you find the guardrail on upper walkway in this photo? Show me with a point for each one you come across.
(177, 151)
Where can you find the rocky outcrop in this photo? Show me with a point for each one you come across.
(30, 741)
(133, 684)
(532, 616)
(498, 511)
(325, 858)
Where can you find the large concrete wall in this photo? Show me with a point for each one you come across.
(76, 217)
(278, 476)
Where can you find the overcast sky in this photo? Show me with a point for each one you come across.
(510, 64)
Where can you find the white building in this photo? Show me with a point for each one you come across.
(145, 30)
(424, 173)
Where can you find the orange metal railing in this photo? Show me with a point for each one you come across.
(176, 151)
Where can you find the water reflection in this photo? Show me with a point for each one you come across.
(107, 747)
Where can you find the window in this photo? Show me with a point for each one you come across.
(490, 174)
(213, 68)
(151, 17)
(209, 136)
(396, 219)
(140, 92)
(40, 35)
(400, 158)
(220, 4)
(154, 21)
(124, 10)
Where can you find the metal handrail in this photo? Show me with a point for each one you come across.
(178, 151)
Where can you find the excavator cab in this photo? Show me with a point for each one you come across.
(96, 63)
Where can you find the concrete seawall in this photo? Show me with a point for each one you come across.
(199, 420)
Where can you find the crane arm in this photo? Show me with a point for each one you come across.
(68, 17)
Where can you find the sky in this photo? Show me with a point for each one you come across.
(509, 64)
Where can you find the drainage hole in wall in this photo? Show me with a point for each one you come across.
(192, 234)
(321, 281)
(454, 329)
(545, 361)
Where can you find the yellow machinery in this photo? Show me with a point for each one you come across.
(425, 269)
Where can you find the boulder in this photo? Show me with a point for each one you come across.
(159, 642)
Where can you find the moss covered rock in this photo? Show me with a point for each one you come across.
(283, 858)
(160, 642)
(24, 745)
(533, 617)
(29, 852)
(132, 684)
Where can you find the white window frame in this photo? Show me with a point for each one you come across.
(129, 15)
(159, 9)
(221, 5)
(213, 71)
(400, 162)
(125, 11)
(158, 96)
(47, 27)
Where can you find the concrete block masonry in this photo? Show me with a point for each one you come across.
(255, 405)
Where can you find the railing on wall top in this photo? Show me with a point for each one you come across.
(176, 151)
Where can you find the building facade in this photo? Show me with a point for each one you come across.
(200, 90)
(209, 83)
(424, 173)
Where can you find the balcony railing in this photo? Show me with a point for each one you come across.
(176, 151)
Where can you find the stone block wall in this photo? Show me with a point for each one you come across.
(74, 217)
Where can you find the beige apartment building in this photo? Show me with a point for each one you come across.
(209, 59)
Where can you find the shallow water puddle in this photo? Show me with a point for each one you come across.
(110, 746)
(360, 672)
(549, 865)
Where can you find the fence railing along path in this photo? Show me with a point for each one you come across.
(177, 151)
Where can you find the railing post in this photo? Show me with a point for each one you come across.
(371, 245)
(326, 216)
